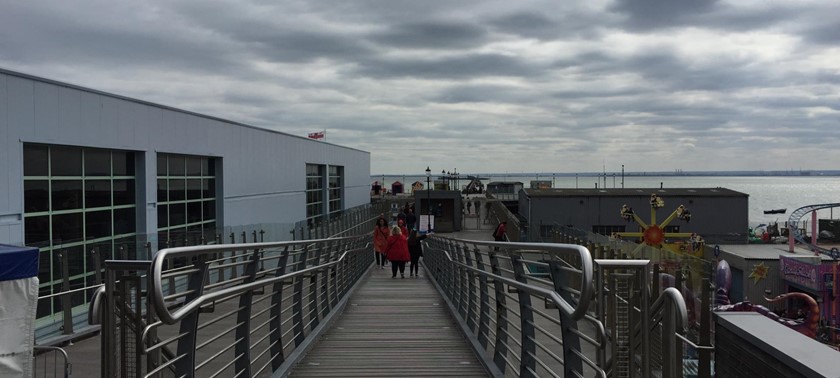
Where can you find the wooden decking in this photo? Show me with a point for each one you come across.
(392, 328)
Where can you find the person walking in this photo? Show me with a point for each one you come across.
(500, 234)
(397, 252)
(415, 250)
(410, 219)
(380, 240)
(403, 228)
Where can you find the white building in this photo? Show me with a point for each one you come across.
(82, 169)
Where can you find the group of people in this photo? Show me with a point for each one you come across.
(398, 245)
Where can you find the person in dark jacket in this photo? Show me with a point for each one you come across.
(397, 252)
(410, 219)
(415, 249)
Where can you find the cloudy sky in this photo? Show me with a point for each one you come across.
(481, 86)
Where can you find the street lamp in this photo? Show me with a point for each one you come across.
(428, 200)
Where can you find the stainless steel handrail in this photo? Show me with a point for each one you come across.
(587, 276)
(161, 257)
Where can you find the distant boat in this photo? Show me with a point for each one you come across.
(775, 211)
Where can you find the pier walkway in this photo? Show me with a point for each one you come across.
(320, 308)
(396, 328)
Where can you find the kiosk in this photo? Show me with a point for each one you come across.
(18, 303)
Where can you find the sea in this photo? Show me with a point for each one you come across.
(765, 192)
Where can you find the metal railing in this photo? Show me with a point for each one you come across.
(603, 322)
(194, 320)
(51, 362)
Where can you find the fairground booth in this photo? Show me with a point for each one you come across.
(18, 301)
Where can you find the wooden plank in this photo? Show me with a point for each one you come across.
(392, 327)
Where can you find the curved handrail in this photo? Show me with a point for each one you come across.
(793, 223)
(156, 269)
(95, 306)
(587, 288)
(671, 296)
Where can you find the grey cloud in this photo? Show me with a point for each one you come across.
(459, 67)
(654, 14)
(432, 34)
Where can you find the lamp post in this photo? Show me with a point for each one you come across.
(428, 200)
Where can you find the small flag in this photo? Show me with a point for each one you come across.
(318, 135)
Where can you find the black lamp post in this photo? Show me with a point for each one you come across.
(428, 200)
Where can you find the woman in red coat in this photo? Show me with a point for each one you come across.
(397, 252)
(380, 241)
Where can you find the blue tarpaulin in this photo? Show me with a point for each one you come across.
(18, 262)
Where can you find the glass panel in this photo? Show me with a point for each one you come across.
(44, 308)
(66, 195)
(161, 191)
(209, 231)
(66, 161)
(97, 162)
(177, 190)
(97, 193)
(206, 163)
(98, 224)
(123, 163)
(194, 212)
(313, 183)
(177, 214)
(45, 266)
(124, 221)
(313, 170)
(209, 210)
(162, 211)
(67, 227)
(75, 260)
(193, 166)
(208, 187)
(161, 165)
(35, 161)
(36, 196)
(124, 192)
(176, 165)
(125, 248)
(77, 298)
(37, 230)
(193, 189)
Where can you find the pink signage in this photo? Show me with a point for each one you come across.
(802, 273)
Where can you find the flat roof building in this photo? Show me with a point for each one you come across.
(83, 169)
(719, 215)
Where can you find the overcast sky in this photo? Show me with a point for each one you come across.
(481, 86)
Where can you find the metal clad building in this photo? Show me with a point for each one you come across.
(83, 169)
(718, 214)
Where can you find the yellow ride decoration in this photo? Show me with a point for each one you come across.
(654, 235)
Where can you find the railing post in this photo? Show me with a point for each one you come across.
(313, 288)
(66, 304)
(297, 297)
(243, 319)
(189, 325)
(527, 363)
(275, 326)
(705, 355)
(470, 289)
(500, 345)
(568, 326)
(460, 282)
(484, 302)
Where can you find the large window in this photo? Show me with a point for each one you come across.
(324, 192)
(336, 183)
(79, 209)
(314, 193)
(186, 198)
